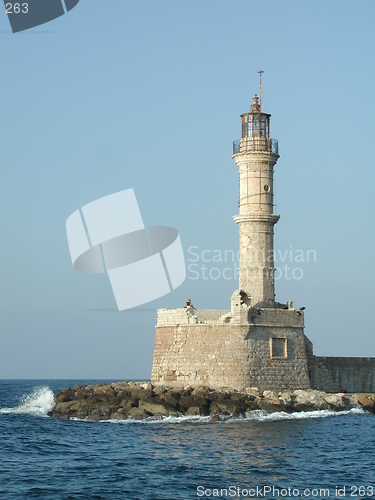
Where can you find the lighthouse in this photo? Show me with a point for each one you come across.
(258, 342)
(256, 155)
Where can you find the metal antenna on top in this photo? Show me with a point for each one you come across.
(260, 89)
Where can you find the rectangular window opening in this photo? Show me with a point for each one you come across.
(279, 348)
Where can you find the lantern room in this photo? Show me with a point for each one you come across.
(255, 123)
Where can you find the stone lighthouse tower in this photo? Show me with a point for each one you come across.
(258, 342)
(255, 155)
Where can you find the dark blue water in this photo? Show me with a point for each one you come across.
(47, 458)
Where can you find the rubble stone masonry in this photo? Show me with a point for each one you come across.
(240, 348)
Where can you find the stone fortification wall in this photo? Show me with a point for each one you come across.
(332, 374)
(269, 369)
(200, 355)
(268, 352)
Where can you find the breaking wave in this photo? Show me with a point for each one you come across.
(38, 403)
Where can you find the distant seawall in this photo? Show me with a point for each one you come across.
(354, 375)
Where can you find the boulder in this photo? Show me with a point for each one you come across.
(285, 398)
(137, 391)
(214, 409)
(137, 414)
(150, 387)
(153, 409)
(159, 390)
(367, 402)
(229, 407)
(270, 405)
(62, 409)
(196, 410)
(65, 395)
(308, 400)
(270, 395)
(237, 397)
(217, 396)
(338, 401)
(119, 386)
(366, 399)
(125, 404)
(186, 402)
(252, 391)
(201, 391)
(252, 404)
(171, 397)
(270, 402)
(100, 389)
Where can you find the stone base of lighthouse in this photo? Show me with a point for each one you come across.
(243, 347)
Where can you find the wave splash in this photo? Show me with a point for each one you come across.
(39, 403)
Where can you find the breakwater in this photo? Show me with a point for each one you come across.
(136, 400)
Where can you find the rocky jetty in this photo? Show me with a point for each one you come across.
(134, 400)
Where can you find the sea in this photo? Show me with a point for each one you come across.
(320, 454)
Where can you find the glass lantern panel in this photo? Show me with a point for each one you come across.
(263, 126)
(255, 128)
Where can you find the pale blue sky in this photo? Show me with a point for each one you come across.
(147, 95)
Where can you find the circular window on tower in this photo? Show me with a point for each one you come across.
(266, 187)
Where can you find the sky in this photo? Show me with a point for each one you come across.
(120, 94)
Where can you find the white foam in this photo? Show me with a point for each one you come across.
(160, 420)
(264, 416)
(39, 403)
(252, 416)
